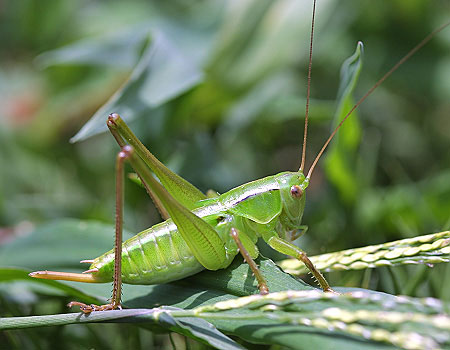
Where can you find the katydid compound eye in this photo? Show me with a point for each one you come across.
(296, 191)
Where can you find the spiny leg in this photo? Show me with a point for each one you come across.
(262, 284)
(142, 170)
(137, 163)
(124, 154)
(183, 191)
(282, 246)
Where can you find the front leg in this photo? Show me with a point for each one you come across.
(285, 247)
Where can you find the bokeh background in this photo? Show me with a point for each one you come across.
(221, 102)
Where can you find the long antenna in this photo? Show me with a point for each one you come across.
(378, 83)
(308, 90)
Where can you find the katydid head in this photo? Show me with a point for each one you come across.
(292, 191)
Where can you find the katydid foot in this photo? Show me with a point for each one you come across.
(124, 154)
(329, 290)
(87, 309)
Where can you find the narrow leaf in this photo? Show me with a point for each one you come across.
(428, 249)
(340, 159)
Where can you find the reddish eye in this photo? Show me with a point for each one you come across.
(296, 191)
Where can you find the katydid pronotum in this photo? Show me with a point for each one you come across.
(200, 232)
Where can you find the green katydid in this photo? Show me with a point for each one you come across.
(200, 232)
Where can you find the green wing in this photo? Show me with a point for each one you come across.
(201, 238)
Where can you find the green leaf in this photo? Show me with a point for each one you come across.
(162, 73)
(192, 327)
(59, 244)
(119, 49)
(409, 323)
(294, 315)
(427, 249)
(340, 160)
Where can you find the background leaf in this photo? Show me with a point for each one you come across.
(161, 74)
(341, 157)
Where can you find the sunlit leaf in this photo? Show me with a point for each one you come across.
(161, 74)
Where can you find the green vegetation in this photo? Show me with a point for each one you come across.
(217, 91)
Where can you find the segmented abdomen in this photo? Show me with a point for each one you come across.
(156, 255)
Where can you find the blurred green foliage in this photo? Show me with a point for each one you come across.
(232, 113)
